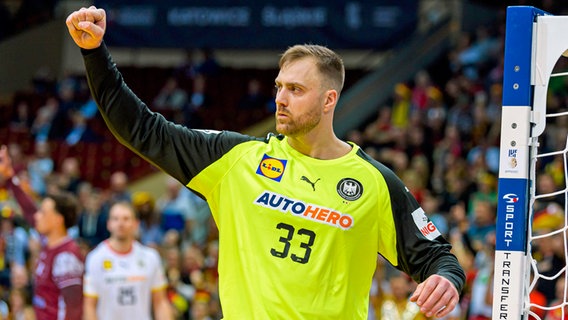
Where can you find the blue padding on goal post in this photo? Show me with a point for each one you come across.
(510, 289)
(517, 89)
(511, 227)
(517, 92)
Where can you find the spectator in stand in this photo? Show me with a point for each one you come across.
(171, 96)
(40, 166)
(20, 277)
(199, 101)
(172, 99)
(175, 207)
(179, 294)
(401, 106)
(92, 219)
(414, 183)
(481, 224)
(447, 164)
(80, 130)
(474, 53)
(381, 133)
(151, 233)
(69, 178)
(42, 124)
(67, 104)
(20, 305)
(200, 309)
(422, 83)
(192, 260)
(117, 190)
(545, 185)
(417, 142)
(460, 115)
(549, 251)
(22, 119)
(436, 114)
(397, 305)
(199, 222)
(431, 204)
(14, 240)
(250, 107)
(482, 290)
(486, 190)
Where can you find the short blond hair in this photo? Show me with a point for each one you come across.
(329, 63)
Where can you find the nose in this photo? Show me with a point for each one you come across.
(281, 100)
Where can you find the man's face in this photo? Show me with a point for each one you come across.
(300, 98)
(47, 218)
(122, 224)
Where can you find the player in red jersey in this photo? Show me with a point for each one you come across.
(58, 277)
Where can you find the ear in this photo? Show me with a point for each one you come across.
(330, 102)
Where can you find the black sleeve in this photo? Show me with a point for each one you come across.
(418, 256)
(175, 149)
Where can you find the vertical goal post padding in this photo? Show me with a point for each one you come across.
(534, 41)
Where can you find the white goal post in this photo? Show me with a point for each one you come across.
(534, 41)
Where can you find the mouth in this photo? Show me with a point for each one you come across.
(282, 115)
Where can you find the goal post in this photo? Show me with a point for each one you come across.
(534, 41)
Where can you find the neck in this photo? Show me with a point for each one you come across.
(326, 148)
(55, 238)
(120, 245)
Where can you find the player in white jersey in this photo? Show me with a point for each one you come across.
(123, 278)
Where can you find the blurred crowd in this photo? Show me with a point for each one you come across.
(442, 138)
(439, 132)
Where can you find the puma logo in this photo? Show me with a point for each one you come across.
(313, 184)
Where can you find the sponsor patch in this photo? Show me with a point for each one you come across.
(304, 210)
(271, 168)
(427, 228)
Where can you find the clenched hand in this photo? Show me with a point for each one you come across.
(87, 27)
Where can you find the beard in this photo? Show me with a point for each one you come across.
(296, 126)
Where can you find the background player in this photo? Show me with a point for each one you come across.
(123, 278)
(58, 277)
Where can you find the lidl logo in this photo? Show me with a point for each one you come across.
(271, 168)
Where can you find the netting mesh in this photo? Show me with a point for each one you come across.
(548, 244)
